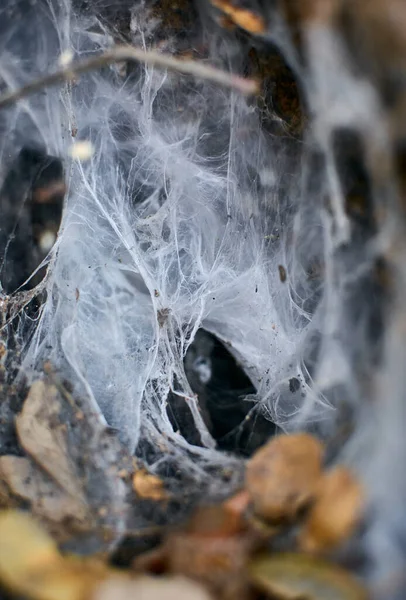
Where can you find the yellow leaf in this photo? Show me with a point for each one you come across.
(297, 576)
(24, 548)
(31, 565)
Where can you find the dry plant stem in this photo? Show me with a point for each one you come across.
(48, 370)
(128, 53)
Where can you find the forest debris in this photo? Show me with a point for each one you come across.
(27, 482)
(42, 434)
(162, 316)
(148, 486)
(282, 273)
(282, 477)
(129, 53)
(296, 576)
(71, 476)
(24, 547)
(151, 588)
(31, 565)
(238, 503)
(243, 17)
(213, 548)
(335, 513)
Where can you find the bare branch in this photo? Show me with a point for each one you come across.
(128, 53)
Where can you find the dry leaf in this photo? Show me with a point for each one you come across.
(26, 481)
(300, 577)
(282, 477)
(336, 512)
(213, 549)
(238, 503)
(31, 565)
(41, 435)
(150, 588)
(242, 17)
(71, 476)
(148, 486)
(24, 546)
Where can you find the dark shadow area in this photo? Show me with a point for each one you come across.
(222, 388)
(31, 200)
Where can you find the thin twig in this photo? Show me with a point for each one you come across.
(49, 371)
(129, 53)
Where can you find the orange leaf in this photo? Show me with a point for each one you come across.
(282, 477)
(242, 17)
(336, 512)
(148, 486)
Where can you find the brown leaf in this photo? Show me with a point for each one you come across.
(297, 576)
(26, 481)
(282, 477)
(71, 476)
(43, 436)
(336, 512)
(242, 17)
(148, 486)
(213, 549)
